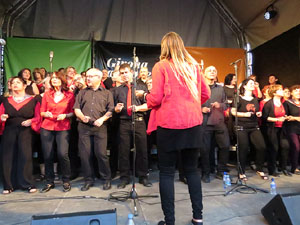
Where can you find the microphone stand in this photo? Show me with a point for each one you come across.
(133, 193)
(239, 185)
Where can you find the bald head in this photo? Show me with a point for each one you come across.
(93, 72)
(210, 73)
(93, 77)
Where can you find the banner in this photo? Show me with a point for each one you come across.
(34, 53)
(221, 58)
(108, 55)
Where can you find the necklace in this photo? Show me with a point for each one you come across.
(19, 99)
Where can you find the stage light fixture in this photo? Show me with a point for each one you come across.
(270, 12)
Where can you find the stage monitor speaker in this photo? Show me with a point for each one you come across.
(283, 210)
(106, 217)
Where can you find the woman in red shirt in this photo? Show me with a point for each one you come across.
(19, 113)
(56, 109)
(178, 90)
(274, 115)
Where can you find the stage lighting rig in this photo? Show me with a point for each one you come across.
(270, 12)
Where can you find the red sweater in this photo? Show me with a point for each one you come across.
(172, 104)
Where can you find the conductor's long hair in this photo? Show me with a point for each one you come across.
(184, 65)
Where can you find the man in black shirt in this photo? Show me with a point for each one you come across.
(124, 107)
(93, 106)
(214, 127)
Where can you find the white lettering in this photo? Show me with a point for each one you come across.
(113, 62)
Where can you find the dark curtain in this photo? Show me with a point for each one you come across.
(280, 56)
(129, 21)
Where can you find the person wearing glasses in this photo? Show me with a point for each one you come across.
(93, 107)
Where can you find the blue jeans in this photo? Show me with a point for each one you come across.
(48, 138)
(167, 162)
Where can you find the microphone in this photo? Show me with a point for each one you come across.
(136, 59)
(235, 62)
(51, 54)
(134, 48)
(2, 41)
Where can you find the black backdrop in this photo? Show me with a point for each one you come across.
(108, 55)
(280, 56)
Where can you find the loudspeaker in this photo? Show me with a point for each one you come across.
(283, 210)
(106, 217)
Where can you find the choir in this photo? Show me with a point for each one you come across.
(77, 117)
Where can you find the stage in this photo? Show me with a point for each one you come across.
(237, 208)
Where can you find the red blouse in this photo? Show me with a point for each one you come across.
(64, 106)
(172, 104)
(279, 112)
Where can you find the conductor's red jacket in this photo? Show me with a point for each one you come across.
(171, 102)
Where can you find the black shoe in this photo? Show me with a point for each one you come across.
(287, 173)
(123, 184)
(107, 185)
(66, 187)
(47, 188)
(196, 223)
(219, 175)
(161, 222)
(144, 181)
(275, 174)
(296, 171)
(206, 178)
(86, 186)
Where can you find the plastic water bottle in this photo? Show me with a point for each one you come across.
(225, 181)
(130, 219)
(228, 181)
(273, 187)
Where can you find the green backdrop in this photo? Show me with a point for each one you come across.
(31, 53)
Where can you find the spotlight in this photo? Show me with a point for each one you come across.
(270, 12)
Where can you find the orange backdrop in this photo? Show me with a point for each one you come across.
(221, 58)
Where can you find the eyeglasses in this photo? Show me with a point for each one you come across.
(91, 76)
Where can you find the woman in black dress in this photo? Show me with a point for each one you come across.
(292, 109)
(248, 112)
(19, 113)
